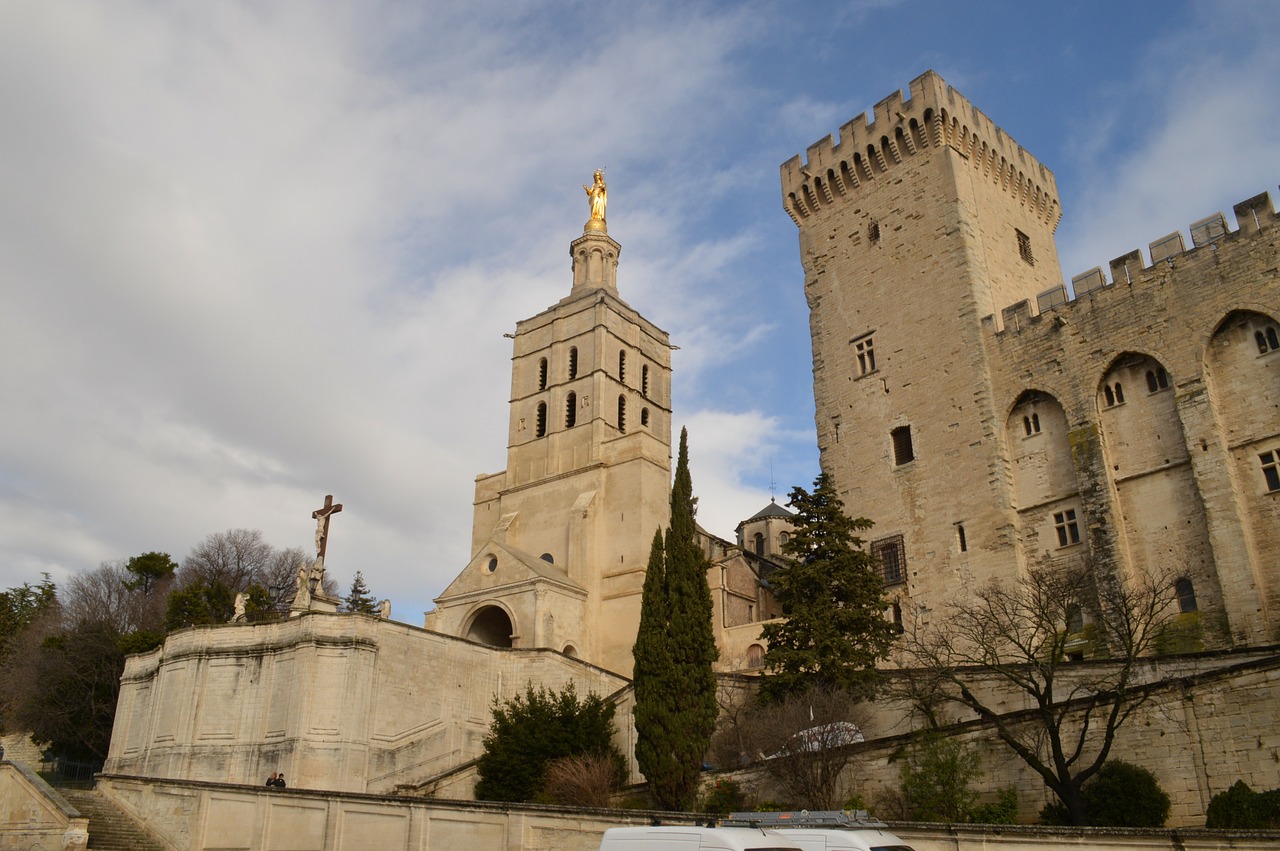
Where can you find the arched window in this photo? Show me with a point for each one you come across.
(759, 541)
(1186, 595)
(644, 416)
(571, 410)
(1268, 341)
(755, 656)
(644, 379)
(897, 617)
(783, 538)
(1119, 393)
(1031, 424)
(1109, 395)
(542, 419)
(622, 414)
(622, 367)
(1113, 393)
(548, 558)
(1075, 619)
(542, 374)
(1157, 380)
(573, 363)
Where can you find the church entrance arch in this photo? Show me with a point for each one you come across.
(491, 625)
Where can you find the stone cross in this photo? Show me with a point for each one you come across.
(321, 516)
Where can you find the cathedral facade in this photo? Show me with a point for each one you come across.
(989, 421)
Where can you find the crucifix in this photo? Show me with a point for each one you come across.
(321, 516)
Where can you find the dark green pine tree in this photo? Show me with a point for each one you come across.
(359, 599)
(832, 598)
(675, 649)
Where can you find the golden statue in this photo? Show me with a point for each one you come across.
(598, 196)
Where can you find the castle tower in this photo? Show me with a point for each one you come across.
(560, 538)
(913, 227)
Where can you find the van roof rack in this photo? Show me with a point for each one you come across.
(804, 818)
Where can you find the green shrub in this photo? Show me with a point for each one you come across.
(1004, 810)
(1241, 808)
(936, 775)
(724, 796)
(1124, 795)
(1183, 634)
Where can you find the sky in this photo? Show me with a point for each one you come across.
(253, 253)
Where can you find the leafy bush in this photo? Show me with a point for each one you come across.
(528, 732)
(1003, 811)
(935, 776)
(1124, 795)
(1241, 808)
(724, 796)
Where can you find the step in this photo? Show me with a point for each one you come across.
(110, 829)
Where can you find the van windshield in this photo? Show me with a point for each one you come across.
(892, 848)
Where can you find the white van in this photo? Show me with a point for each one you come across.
(835, 830)
(671, 838)
(844, 839)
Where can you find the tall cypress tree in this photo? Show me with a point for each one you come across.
(675, 686)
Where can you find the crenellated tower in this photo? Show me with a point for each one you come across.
(914, 224)
(560, 538)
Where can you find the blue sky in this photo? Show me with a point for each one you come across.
(253, 253)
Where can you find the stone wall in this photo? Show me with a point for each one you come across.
(1201, 732)
(198, 816)
(333, 701)
(33, 817)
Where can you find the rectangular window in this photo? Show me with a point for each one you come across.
(866, 353)
(1024, 247)
(903, 451)
(1271, 469)
(891, 555)
(1064, 523)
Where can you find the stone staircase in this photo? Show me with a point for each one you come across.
(109, 828)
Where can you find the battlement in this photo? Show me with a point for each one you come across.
(936, 115)
(1253, 215)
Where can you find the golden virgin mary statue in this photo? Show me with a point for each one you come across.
(598, 196)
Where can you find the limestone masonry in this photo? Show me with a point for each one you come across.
(988, 423)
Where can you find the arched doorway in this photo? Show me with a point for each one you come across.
(491, 625)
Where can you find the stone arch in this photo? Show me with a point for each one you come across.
(491, 624)
(1046, 489)
(1140, 427)
(1243, 380)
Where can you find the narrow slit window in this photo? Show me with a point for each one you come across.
(622, 414)
(542, 374)
(903, 451)
(873, 232)
(961, 539)
(644, 416)
(542, 419)
(644, 380)
(571, 410)
(573, 363)
(622, 367)
(1186, 595)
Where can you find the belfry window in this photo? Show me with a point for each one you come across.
(1024, 247)
(542, 374)
(622, 367)
(644, 380)
(573, 363)
(865, 352)
(571, 410)
(542, 419)
(1271, 470)
(644, 416)
(903, 451)
(891, 554)
(622, 414)
(1068, 529)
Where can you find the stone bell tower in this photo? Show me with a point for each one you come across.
(560, 538)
